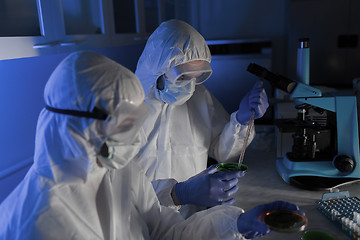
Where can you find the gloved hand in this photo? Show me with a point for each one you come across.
(255, 100)
(249, 223)
(209, 188)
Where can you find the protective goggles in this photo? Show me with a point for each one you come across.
(181, 75)
(126, 121)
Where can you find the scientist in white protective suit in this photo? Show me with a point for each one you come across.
(80, 187)
(188, 124)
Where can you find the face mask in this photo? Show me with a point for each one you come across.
(117, 156)
(173, 93)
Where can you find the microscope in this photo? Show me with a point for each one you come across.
(325, 141)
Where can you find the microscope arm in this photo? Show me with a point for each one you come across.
(327, 103)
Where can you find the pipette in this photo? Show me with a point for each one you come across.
(246, 138)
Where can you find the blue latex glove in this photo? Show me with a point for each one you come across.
(255, 100)
(249, 223)
(209, 188)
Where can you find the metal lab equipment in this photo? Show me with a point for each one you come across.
(325, 148)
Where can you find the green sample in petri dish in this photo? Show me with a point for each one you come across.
(232, 167)
(316, 235)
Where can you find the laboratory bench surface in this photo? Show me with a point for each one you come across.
(262, 184)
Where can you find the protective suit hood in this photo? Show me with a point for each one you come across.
(168, 47)
(66, 145)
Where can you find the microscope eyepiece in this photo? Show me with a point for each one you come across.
(277, 81)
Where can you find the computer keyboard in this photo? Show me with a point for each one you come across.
(342, 210)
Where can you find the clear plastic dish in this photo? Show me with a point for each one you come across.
(285, 221)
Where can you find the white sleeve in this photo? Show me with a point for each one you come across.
(218, 222)
(229, 144)
(163, 189)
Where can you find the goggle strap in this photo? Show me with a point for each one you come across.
(96, 113)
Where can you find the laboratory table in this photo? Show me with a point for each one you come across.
(262, 184)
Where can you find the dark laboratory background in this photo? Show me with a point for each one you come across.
(35, 35)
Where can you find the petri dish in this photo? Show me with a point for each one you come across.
(316, 235)
(232, 167)
(285, 221)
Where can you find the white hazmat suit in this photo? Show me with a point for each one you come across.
(181, 137)
(67, 195)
